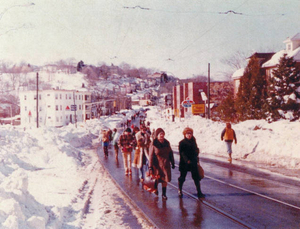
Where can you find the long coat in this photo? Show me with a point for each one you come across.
(188, 151)
(142, 150)
(160, 159)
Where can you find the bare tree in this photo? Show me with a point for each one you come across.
(237, 60)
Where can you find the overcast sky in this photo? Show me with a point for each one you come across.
(177, 36)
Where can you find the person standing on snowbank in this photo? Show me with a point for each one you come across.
(189, 152)
(161, 159)
(228, 134)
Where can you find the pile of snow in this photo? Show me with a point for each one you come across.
(48, 174)
(274, 143)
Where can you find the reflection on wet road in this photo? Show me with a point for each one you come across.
(236, 197)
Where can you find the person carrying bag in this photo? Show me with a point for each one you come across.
(189, 161)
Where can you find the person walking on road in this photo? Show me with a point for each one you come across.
(189, 153)
(142, 152)
(105, 142)
(127, 142)
(161, 159)
(228, 134)
(115, 139)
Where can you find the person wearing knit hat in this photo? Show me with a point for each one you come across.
(158, 131)
(187, 130)
(161, 160)
(188, 161)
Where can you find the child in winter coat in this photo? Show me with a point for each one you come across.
(228, 135)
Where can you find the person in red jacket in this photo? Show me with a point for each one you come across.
(127, 143)
(229, 136)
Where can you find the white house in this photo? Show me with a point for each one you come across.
(55, 107)
(292, 49)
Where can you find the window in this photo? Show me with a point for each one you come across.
(40, 97)
(40, 109)
(57, 119)
(60, 107)
(48, 94)
(34, 97)
(79, 107)
(70, 96)
(25, 108)
(56, 107)
(79, 97)
(56, 96)
(25, 97)
(60, 96)
(66, 96)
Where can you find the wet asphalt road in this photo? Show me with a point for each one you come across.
(236, 197)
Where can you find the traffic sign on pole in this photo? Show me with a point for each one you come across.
(187, 103)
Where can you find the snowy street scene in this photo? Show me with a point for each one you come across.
(149, 114)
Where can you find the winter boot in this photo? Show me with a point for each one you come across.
(180, 184)
(155, 187)
(164, 190)
(199, 192)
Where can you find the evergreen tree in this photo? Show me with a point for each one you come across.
(258, 93)
(226, 110)
(284, 89)
(252, 93)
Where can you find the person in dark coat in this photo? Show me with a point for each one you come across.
(189, 152)
(161, 159)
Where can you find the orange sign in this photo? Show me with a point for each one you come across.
(198, 108)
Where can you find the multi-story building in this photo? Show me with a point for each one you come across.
(55, 107)
(198, 93)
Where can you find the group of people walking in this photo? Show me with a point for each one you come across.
(153, 153)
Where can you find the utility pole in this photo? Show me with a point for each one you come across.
(37, 100)
(208, 92)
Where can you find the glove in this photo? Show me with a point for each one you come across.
(173, 166)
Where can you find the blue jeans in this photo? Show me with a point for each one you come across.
(142, 171)
(229, 147)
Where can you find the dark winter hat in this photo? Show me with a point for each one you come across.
(128, 130)
(159, 130)
(187, 130)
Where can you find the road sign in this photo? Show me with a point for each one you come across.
(187, 103)
(73, 107)
(198, 108)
